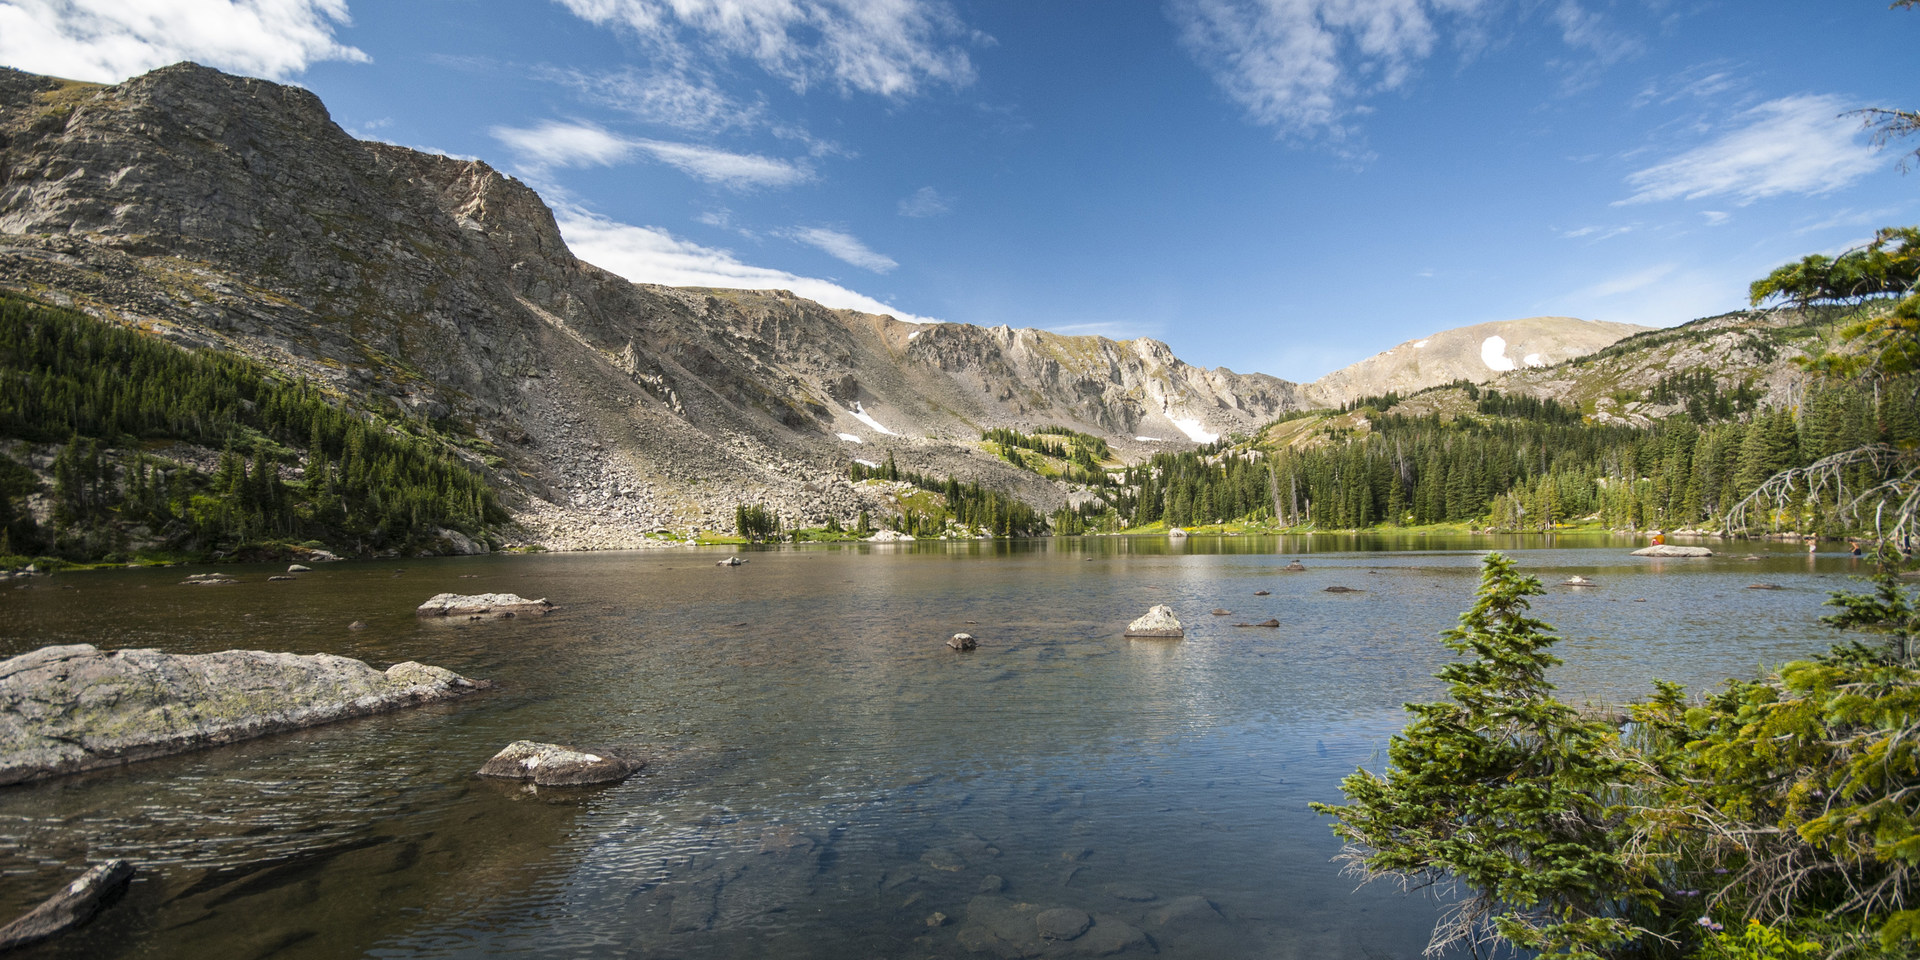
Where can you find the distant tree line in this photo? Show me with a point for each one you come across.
(1521, 463)
(966, 503)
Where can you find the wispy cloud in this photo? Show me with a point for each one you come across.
(1798, 144)
(1594, 234)
(891, 48)
(1627, 283)
(1583, 30)
(110, 40)
(652, 255)
(842, 246)
(676, 99)
(925, 202)
(556, 143)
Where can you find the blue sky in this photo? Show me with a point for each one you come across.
(1282, 186)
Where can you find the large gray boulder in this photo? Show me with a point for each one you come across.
(72, 708)
(1672, 550)
(481, 605)
(552, 765)
(1159, 622)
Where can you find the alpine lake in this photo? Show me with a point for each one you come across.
(826, 778)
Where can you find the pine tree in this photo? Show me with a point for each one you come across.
(1503, 788)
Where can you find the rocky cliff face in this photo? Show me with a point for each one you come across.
(1478, 353)
(233, 213)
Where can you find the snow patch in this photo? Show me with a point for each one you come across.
(860, 414)
(1417, 344)
(1193, 429)
(869, 464)
(1534, 360)
(1493, 353)
(1149, 439)
(850, 438)
(916, 333)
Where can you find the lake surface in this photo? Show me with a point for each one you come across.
(828, 779)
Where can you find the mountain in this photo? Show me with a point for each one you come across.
(1478, 353)
(232, 213)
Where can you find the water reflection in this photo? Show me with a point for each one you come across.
(829, 779)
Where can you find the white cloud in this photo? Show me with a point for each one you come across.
(1716, 217)
(1301, 65)
(556, 144)
(1798, 144)
(737, 170)
(110, 40)
(888, 47)
(652, 255)
(842, 246)
(925, 202)
(563, 144)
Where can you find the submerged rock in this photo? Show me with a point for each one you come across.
(1295, 566)
(72, 708)
(1576, 581)
(74, 905)
(1220, 611)
(1159, 622)
(1061, 923)
(1262, 593)
(1672, 550)
(552, 765)
(481, 605)
(729, 562)
(1339, 589)
(1264, 623)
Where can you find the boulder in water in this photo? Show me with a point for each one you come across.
(1295, 566)
(729, 562)
(1340, 589)
(963, 641)
(552, 765)
(1672, 550)
(1159, 622)
(72, 708)
(481, 605)
(298, 568)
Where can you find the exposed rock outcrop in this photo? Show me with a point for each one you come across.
(1159, 621)
(481, 605)
(1672, 550)
(72, 708)
(552, 765)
